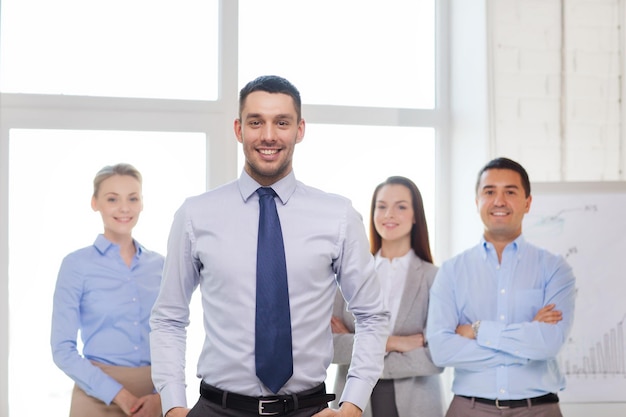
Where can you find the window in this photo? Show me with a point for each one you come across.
(349, 52)
(361, 55)
(50, 188)
(115, 48)
(84, 84)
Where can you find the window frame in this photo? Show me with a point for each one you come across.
(215, 119)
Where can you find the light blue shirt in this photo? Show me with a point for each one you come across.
(213, 244)
(514, 357)
(110, 303)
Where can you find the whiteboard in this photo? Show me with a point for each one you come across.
(586, 223)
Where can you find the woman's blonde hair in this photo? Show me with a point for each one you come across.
(117, 169)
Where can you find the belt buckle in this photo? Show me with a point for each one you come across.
(500, 407)
(262, 407)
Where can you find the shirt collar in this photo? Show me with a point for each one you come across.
(102, 244)
(401, 261)
(284, 188)
(516, 245)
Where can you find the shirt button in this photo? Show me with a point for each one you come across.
(502, 390)
(502, 317)
(136, 348)
(502, 291)
(498, 267)
(136, 323)
(134, 299)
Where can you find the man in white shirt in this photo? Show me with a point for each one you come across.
(213, 244)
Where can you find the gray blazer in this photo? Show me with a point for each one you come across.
(416, 379)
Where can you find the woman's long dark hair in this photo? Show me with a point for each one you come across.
(419, 232)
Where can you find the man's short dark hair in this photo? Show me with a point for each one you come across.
(506, 163)
(271, 84)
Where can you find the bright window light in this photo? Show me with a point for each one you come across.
(360, 53)
(115, 48)
(50, 187)
(347, 52)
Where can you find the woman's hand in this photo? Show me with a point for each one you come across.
(337, 326)
(147, 406)
(125, 400)
(404, 344)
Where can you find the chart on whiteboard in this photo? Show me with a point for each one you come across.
(589, 230)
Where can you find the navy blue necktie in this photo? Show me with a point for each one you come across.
(273, 355)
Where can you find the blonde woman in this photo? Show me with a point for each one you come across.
(106, 292)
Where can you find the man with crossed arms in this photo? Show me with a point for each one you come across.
(500, 312)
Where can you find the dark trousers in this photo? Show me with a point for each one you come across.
(465, 407)
(383, 399)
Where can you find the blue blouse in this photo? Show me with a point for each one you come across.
(109, 303)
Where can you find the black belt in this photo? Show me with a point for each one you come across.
(501, 404)
(275, 405)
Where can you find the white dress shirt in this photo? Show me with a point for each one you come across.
(392, 274)
(212, 244)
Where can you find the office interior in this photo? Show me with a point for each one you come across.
(538, 81)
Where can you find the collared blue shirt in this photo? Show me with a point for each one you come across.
(110, 303)
(212, 244)
(514, 357)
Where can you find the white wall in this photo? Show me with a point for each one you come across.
(555, 86)
(469, 148)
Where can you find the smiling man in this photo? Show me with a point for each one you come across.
(500, 312)
(253, 287)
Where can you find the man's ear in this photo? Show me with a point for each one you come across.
(529, 201)
(301, 129)
(237, 128)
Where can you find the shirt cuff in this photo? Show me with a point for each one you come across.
(489, 334)
(173, 395)
(356, 392)
(109, 389)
